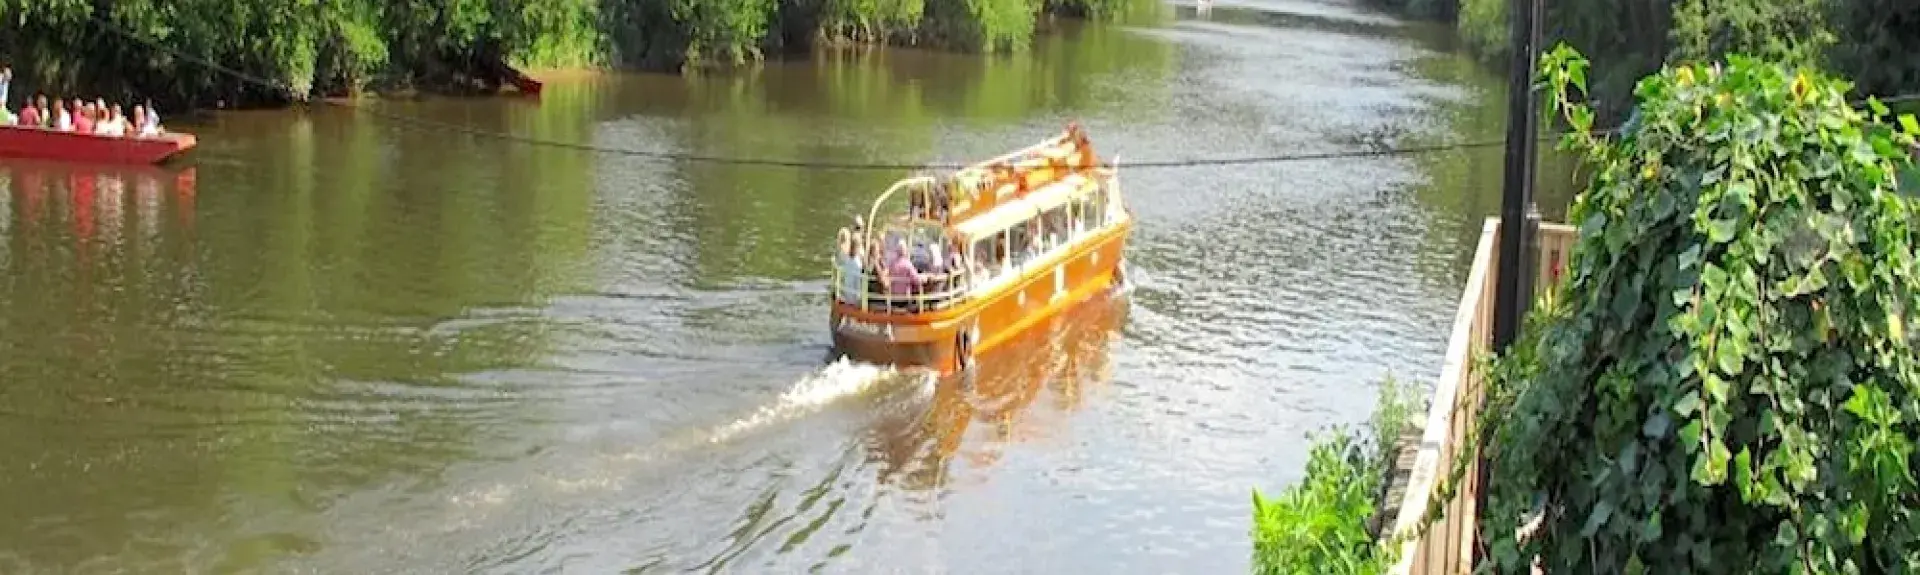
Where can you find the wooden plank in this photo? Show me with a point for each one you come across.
(1440, 412)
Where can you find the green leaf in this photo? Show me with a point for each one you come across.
(1687, 404)
(1730, 359)
(1855, 522)
(1743, 475)
(1866, 402)
(1714, 277)
(1815, 280)
(1602, 510)
(1721, 230)
(1909, 124)
(1716, 388)
(1690, 436)
(1657, 426)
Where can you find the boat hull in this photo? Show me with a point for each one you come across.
(941, 340)
(528, 86)
(42, 144)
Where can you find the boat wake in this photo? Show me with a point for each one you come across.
(838, 381)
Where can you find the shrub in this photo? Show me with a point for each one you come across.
(1733, 386)
(1321, 524)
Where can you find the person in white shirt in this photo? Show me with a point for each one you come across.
(143, 123)
(153, 118)
(110, 124)
(62, 120)
(853, 276)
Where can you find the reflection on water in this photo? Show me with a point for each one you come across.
(338, 344)
(1060, 359)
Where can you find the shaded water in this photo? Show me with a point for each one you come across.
(338, 344)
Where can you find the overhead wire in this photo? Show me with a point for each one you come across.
(809, 164)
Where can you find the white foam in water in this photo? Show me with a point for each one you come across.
(834, 383)
(839, 380)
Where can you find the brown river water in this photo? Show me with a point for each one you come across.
(330, 342)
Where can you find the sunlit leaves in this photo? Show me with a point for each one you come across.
(1319, 524)
(1746, 233)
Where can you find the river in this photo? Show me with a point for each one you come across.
(333, 342)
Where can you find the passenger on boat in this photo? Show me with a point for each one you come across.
(934, 270)
(144, 122)
(45, 115)
(942, 199)
(6, 80)
(1035, 240)
(917, 204)
(901, 276)
(115, 125)
(62, 120)
(853, 276)
(29, 115)
(83, 118)
(109, 125)
(153, 119)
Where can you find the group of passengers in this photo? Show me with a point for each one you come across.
(931, 203)
(894, 266)
(78, 116)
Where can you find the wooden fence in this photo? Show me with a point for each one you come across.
(1448, 547)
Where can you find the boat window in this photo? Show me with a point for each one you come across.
(1001, 253)
(1076, 216)
(1053, 226)
(1019, 243)
(1096, 207)
(985, 264)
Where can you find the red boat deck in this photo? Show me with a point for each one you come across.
(38, 143)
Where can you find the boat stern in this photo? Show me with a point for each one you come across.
(891, 340)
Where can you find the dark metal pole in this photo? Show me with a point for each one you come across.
(1510, 301)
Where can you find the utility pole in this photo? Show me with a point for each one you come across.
(1514, 268)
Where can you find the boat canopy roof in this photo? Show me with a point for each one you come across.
(1007, 214)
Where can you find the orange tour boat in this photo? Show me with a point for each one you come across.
(978, 255)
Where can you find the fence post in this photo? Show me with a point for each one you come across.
(1530, 264)
(1509, 300)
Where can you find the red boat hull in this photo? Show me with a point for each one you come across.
(41, 144)
(528, 86)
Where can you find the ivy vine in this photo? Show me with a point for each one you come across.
(1729, 382)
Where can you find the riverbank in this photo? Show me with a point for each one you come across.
(1865, 40)
(141, 49)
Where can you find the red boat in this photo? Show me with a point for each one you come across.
(44, 144)
(528, 86)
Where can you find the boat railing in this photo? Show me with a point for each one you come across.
(873, 214)
(919, 298)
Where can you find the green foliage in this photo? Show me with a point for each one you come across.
(1793, 32)
(338, 46)
(1881, 47)
(724, 31)
(1872, 41)
(871, 20)
(1732, 385)
(1320, 525)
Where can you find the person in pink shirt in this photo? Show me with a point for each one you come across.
(82, 118)
(901, 277)
(30, 115)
